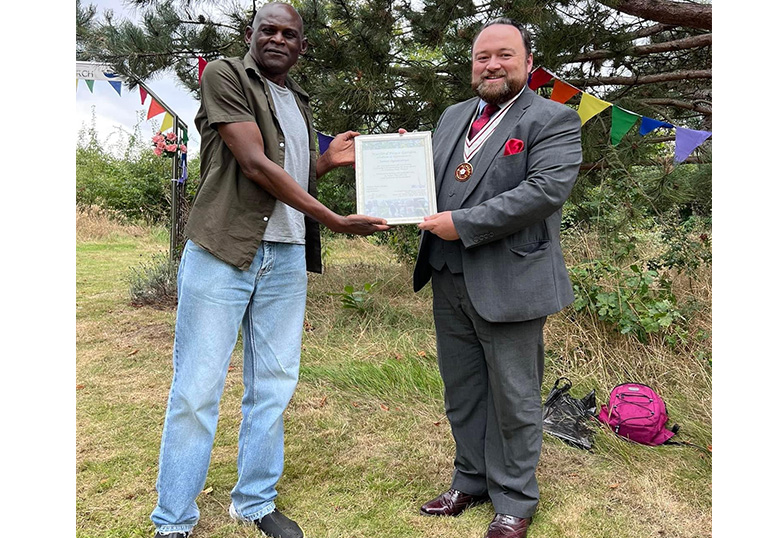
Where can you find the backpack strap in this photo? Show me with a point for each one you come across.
(675, 430)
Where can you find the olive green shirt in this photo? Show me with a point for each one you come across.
(230, 212)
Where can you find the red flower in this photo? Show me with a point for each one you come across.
(513, 146)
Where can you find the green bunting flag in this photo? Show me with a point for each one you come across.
(90, 84)
(622, 121)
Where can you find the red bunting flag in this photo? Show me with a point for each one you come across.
(143, 95)
(201, 66)
(562, 91)
(155, 109)
(538, 78)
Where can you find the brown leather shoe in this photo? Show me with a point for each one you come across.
(504, 526)
(451, 503)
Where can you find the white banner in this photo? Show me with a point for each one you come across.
(97, 71)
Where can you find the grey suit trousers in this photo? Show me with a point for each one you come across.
(492, 374)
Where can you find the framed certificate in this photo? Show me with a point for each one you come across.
(394, 176)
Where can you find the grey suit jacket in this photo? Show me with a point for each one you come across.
(510, 215)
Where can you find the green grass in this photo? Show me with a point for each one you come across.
(367, 440)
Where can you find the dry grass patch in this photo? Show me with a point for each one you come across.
(367, 441)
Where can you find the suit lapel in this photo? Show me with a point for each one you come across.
(446, 143)
(494, 146)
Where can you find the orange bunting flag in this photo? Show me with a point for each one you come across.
(562, 92)
(155, 109)
(167, 123)
(143, 95)
(590, 106)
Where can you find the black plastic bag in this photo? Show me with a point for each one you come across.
(567, 418)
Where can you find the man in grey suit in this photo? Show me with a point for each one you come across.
(497, 270)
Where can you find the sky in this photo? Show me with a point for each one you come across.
(115, 114)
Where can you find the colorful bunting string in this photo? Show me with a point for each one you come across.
(687, 140)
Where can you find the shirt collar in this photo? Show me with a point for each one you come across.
(482, 103)
(250, 65)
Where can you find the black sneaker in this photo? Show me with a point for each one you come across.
(277, 525)
(172, 535)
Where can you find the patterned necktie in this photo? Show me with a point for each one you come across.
(479, 123)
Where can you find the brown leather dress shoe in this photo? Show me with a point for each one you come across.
(451, 503)
(504, 526)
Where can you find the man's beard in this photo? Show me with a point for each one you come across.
(495, 94)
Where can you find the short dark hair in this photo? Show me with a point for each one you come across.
(509, 22)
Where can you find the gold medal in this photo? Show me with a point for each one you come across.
(463, 172)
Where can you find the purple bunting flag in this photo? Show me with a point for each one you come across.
(183, 168)
(324, 142)
(687, 140)
(649, 124)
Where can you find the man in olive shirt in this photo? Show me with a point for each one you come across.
(253, 233)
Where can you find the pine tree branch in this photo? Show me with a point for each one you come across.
(643, 79)
(701, 106)
(692, 42)
(664, 11)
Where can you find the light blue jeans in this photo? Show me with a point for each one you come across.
(215, 298)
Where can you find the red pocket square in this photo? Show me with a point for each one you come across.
(513, 146)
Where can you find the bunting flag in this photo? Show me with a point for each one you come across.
(201, 66)
(90, 84)
(115, 85)
(143, 95)
(590, 106)
(324, 142)
(183, 168)
(167, 123)
(155, 109)
(538, 78)
(184, 136)
(622, 121)
(562, 91)
(648, 125)
(687, 141)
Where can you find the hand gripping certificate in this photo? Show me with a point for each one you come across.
(394, 176)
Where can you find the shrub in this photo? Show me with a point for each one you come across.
(634, 300)
(154, 283)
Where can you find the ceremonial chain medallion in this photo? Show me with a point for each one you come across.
(463, 172)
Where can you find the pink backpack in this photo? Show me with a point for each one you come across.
(637, 412)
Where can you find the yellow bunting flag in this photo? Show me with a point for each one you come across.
(167, 123)
(590, 106)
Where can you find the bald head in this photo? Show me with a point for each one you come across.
(262, 11)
